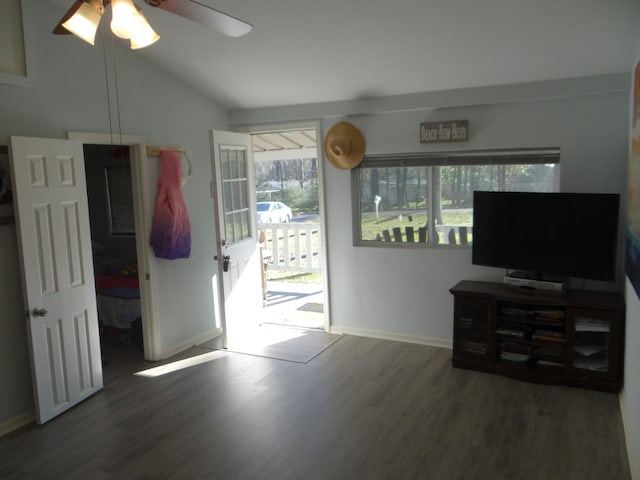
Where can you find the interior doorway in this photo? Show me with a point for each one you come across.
(115, 259)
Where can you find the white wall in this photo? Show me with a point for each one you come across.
(630, 396)
(403, 293)
(70, 95)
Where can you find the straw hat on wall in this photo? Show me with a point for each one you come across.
(344, 145)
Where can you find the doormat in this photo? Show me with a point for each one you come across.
(312, 307)
(283, 343)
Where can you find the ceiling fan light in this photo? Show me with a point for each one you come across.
(84, 22)
(124, 18)
(145, 37)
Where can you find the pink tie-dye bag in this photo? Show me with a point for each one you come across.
(170, 230)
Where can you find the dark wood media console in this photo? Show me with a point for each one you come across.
(573, 339)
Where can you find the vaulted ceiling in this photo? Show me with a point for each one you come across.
(309, 51)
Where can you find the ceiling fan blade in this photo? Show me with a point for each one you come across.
(205, 15)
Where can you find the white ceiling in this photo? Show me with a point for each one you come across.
(309, 51)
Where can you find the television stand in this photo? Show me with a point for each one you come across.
(574, 339)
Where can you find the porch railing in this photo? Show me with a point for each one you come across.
(293, 247)
(445, 235)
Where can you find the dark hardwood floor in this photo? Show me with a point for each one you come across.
(363, 409)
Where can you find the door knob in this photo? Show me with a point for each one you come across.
(40, 312)
(225, 261)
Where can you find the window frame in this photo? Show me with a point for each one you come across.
(430, 160)
(115, 186)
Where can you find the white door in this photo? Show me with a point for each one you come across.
(57, 272)
(237, 246)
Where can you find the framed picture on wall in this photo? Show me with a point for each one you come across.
(6, 195)
(632, 261)
(16, 61)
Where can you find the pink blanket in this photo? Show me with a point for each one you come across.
(171, 230)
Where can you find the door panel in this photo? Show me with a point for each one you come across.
(59, 293)
(234, 183)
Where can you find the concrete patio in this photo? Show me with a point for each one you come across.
(294, 304)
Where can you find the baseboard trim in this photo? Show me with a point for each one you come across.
(17, 422)
(197, 340)
(428, 341)
(631, 447)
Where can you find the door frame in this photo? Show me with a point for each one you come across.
(289, 126)
(142, 211)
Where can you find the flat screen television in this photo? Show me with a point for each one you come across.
(558, 234)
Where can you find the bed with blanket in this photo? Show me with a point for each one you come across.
(118, 299)
(117, 288)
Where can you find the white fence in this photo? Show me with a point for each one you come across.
(293, 247)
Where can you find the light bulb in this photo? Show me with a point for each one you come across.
(84, 22)
(144, 37)
(124, 18)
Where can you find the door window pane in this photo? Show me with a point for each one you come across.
(224, 161)
(242, 167)
(233, 161)
(227, 190)
(245, 223)
(228, 225)
(234, 193)
(244, 203)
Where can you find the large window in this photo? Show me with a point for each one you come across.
(427, 198)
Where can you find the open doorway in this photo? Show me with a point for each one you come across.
(287, 173)
(115, 260)
(292, 322)
(265, 254)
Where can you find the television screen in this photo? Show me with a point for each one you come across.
(563, 234)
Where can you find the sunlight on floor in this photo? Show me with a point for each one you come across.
(180, 364)
(263, 336)
(282, 343)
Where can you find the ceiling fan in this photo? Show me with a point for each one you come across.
(83, 17)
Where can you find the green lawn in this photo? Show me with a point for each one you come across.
(372, 226)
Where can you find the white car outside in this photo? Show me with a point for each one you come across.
(273, 212)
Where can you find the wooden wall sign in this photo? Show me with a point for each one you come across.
(444, 132)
